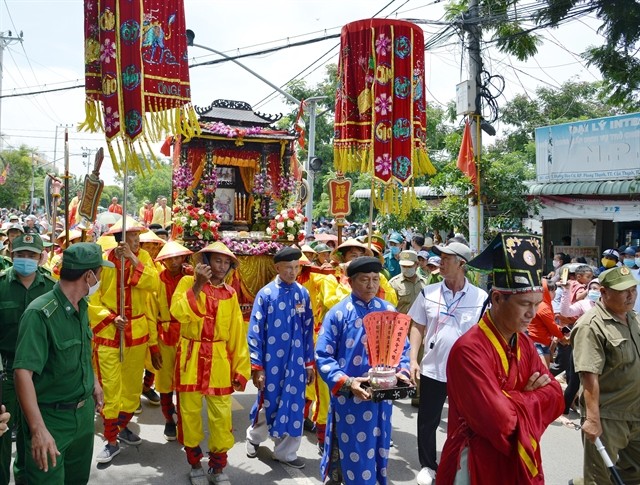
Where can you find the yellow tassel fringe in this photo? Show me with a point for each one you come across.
(160, 120)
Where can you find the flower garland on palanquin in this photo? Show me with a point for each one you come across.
(194, 222)
(288, 224)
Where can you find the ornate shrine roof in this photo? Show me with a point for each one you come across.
(235, 113)
(236, 119)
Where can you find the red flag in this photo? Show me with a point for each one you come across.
(466, 160)
(298, 126)
(3, 176)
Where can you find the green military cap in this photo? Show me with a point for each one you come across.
(27, 242)
(618, 279)
(320, 247)
(84, 256)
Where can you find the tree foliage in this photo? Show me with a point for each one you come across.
(150, 185)
(15, 192)
(108, 193)
(141, 187)
(617, 59)
(573, 101)
(513, 24)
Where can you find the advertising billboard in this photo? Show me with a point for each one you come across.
(597, 149)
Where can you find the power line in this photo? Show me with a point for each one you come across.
(434, 42)
(32, 93)
(33, 101)
(267, 51)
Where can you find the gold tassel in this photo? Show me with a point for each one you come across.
(114, 159)
(156, 163)
(120, 155)
(91, 110)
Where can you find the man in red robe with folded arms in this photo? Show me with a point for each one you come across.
(501, 396)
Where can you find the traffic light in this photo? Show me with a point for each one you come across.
(315, 164)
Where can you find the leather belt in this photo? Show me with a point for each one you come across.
(63, 406)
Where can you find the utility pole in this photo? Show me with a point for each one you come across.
(86, 154)
(55, 146)
(310, 155)
(33, 181)
(474, 33)
(5, 41)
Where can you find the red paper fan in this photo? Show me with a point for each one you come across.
(386, 334)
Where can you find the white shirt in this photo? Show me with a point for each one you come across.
(447, 317)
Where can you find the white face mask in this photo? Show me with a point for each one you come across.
(556, 263)
(95, 287)
(408, 272)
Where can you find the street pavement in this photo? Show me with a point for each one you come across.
(157, 461)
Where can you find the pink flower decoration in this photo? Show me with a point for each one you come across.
(383, 104)
(111, 119)
(107, 51)
(383, 164)
(383, 45)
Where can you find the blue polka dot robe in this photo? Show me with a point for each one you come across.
(281, 343)
(362, 428)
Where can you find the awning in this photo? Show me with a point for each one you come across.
(559, 207)
(604, 187)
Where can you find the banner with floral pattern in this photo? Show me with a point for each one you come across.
(136, 75)
(380, 120)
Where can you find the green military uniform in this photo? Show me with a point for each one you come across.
(5, 262)
(14, 299)
(54, 342)
(604, 346)
(429, 277)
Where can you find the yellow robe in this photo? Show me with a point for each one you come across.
(121, 381)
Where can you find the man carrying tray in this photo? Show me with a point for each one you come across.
(358, 430)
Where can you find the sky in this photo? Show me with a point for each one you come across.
(51, 54)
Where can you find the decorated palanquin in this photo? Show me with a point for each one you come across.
(233, 179)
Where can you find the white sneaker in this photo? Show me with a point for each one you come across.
(197, 476)
(426, 476)
(252, 449)
(107, 453)
(219, 479)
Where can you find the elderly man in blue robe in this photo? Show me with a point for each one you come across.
(358, 430)
(281, 351)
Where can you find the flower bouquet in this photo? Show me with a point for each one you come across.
(252, 248)
(195, 224)
(287, 224)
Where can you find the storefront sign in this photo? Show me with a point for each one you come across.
(598, 149)
(557, 207)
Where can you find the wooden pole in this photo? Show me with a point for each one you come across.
(66, 187)
(122, 260)
(370, 231)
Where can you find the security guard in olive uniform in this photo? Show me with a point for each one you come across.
(19, 286)
(55, 381)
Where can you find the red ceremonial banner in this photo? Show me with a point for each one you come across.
(137, 74)
(380, 123)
